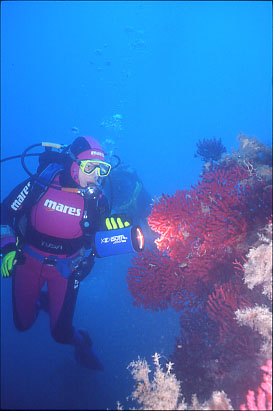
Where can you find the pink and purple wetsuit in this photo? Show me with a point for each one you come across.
(53, 239)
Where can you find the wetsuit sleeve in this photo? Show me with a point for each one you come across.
(11, 208)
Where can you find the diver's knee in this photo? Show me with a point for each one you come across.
(21, 326)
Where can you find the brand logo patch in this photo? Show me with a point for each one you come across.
(51, 245)
(51, 205)
(21, 197)
(115, 239)
(97, 153)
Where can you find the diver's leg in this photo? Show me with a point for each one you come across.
(62, 302)
(26, 285)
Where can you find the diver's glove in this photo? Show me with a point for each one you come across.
(84, 267)
(12, 255)
(116, 221)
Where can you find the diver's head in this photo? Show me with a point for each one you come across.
(88, 165)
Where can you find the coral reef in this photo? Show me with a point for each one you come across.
(258, 267)
(200, 229)
(254, 155)
(163, 391)
(259, 318)
(212, 260)
(254, 150)
(210, 149)
(257, 273)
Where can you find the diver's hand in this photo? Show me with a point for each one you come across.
(116, 221)
(8, 264)
(11, 256)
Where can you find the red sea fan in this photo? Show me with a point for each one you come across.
(222, 303)
(237, 347)
(201, 227)
(173, 218)
(231, 295)
(236, 344)
(200, 230)
(153, 278)
(209, 217)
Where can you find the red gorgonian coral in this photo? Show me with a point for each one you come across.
(223, 301)
(201, 233)
(199, 229)
(191, 223)
(153, 278)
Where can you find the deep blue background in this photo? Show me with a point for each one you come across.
(176, 72)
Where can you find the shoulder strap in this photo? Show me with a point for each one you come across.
(46, 176)
(37, 190)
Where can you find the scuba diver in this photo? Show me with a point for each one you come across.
(130, 197)
(48, 225)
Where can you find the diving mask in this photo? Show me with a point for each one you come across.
(88, 167)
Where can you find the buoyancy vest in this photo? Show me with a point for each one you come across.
(55, 216)
(55, 219)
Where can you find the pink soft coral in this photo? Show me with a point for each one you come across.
(261, 401)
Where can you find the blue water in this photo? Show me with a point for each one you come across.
(174, 73)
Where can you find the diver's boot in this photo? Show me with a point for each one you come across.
(84, 354)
